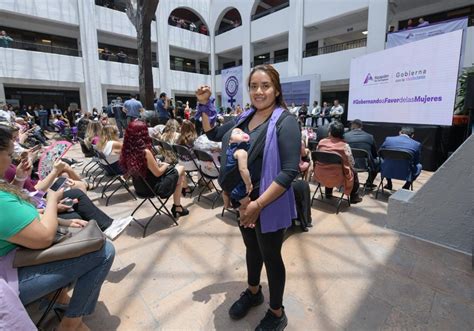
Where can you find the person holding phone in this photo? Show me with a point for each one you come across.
(22, 225)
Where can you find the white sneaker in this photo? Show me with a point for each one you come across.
(117, 227)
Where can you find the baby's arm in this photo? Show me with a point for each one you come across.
(241, 156)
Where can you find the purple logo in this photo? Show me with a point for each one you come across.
(368, 78)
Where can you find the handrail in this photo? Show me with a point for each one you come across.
(128, 59)
(272, 60)
(270, 11)
(336, 47)
(190, 69)
(38, 47)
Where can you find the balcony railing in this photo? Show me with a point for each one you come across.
(190, 69)
(125, 59)
(44, 48)
(272, 60)
(270, 11)
(336, 47)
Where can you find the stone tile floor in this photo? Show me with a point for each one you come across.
(347, 273)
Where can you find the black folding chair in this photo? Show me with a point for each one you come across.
(209, 172)
(50, 307)
(395, 164)
(115, 176)
(187, 159)
(320, 157)
(362, 162)
(144, 191)
(92, 165)
(169, 153)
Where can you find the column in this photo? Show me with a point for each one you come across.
(90, 59)
(3, 98)
(377, 25)
(247, 56)
(213, 59)
(295, 39)
(163, 50)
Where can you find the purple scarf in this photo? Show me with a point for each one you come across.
(278, 214)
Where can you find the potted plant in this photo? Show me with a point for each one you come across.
(461, 114)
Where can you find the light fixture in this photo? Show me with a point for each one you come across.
(188, 63)
(261, 56)
(365, 32)
(46, 41)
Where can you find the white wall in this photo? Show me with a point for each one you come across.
(185, 82)
(123, 75)
(271, 25)
(323, 10)
(117, 22)
(64, 11)
(21, 64)
(229, 40)
(332, 66)
(281, 67)
(188, 40)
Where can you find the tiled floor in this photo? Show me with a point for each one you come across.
(347, 272)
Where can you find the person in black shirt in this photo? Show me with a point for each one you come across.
(264, 221)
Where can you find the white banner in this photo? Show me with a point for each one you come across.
(232, 87)
(414, 83)
(407, 36)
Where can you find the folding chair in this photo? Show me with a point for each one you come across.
(209, 172)
(187, 160)
(328, 158)
(115, 176)
(362, 162)
(144, 191)
(396, 164)
(88, 153)
(49, 308)
(169, 153)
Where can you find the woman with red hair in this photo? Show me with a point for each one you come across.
(138, 161)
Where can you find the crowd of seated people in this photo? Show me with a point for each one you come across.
(136, 159)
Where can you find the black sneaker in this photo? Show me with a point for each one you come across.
(247, 300)
(272, 322)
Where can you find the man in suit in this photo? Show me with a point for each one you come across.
(405, 142)
(357, 138)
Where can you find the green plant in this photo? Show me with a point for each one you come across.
(462, 86)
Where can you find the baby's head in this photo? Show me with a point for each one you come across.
(239, 136)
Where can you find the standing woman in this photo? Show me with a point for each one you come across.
(272, 205)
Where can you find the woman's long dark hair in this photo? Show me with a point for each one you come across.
(275, 78)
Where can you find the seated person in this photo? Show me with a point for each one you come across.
(82, 207)
(111, 146)
(405, 142)
(138, 161)
(305, 161)
(325, 173)
(22, 225)
(92, 135)
(358, 138)
(236, 155)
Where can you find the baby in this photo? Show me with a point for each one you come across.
(237, 153)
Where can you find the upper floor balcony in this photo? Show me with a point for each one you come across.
(119, 75)
(44, 47)
(64, 11)
(336, 47)
(19, 64)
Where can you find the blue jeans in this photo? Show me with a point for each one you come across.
(87, 271)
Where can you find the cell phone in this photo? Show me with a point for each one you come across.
(58, 183)
(68, 202)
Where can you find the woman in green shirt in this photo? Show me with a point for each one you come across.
(21, 225)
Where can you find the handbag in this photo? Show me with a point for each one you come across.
(69, 243)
